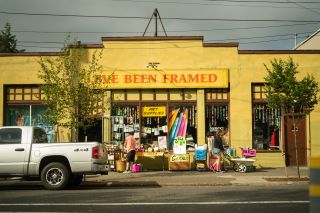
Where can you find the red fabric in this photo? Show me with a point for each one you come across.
(274, 139)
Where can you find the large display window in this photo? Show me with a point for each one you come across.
(217, 117)
(217, 113)
(23, 108)
(125, 119)
(28, 115)
(162, 115)
(183, 123)
(154, 127)
(266, 122)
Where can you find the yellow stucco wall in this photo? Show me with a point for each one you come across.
(17, 70)
(252, 69)
(136, 55)
(188, 54)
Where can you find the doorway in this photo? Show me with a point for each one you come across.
(300, 121)
(93, 133)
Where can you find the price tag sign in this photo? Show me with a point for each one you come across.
(180, 145)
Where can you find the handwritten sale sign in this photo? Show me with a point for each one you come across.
(180, 145)
(179, 158)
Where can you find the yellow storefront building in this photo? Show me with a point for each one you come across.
(167, 87)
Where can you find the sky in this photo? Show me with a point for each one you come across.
(42, 25)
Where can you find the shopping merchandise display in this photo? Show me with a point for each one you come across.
(245, 163)
(200, 157)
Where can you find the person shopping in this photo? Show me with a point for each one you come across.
(130, 149)
(218, 150)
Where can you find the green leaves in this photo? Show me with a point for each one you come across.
(8, 42)
(70, 87)
(283, 90)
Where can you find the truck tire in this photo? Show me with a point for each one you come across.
(55, 176)
(75, 181)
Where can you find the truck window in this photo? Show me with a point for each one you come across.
(39, 136)
(10, 136)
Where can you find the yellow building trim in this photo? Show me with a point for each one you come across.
(201, 117)
(315, 163)
(314, 190)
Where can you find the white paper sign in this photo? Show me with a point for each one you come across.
(180, 145)
(162, 142)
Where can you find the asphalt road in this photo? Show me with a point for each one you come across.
(32, 197)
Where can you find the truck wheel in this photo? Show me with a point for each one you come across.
(235, 167)
(55, 176)
(75, 180)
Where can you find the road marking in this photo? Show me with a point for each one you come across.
(159, 203)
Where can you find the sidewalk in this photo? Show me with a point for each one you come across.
(204, 178)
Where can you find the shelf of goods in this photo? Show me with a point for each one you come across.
(114, 154)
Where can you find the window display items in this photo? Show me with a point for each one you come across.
(216, 117)
(154, 128)
(125, 119)
(266, 127)
(178, 125)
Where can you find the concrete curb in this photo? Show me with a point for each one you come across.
(220, 181)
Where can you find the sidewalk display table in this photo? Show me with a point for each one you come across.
(151, 160)
(179, 162)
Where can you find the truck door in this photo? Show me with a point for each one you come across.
(12, 151)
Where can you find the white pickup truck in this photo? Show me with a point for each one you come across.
(25, 152)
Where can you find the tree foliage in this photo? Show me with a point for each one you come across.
(284, 90)
(8, 42)
(71, 87)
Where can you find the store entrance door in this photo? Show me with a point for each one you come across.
(93, 133)
(290, 150)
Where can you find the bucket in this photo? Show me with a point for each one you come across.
(136, 168)
(120, 166)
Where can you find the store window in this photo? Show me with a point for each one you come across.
(153, 111)
(23, 107)
(124, 119)
(217, 113)
(183, 123)
(154, 127)
(217, 117)
(265, 121)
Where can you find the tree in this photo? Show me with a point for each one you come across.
(284, 91)
(8, 42)
(71, 87)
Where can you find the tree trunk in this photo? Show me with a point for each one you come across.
(283, 142)
(295, 141)
(309, 148)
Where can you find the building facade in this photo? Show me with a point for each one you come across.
(164, 87)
